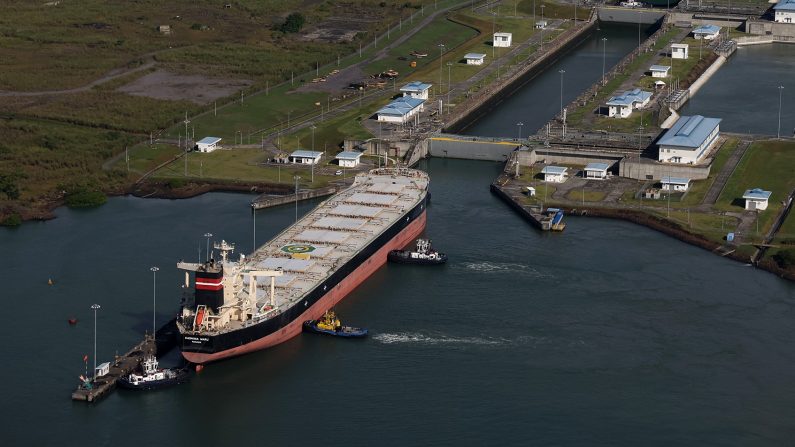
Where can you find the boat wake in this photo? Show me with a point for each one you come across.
(503, 267)
(416, 338)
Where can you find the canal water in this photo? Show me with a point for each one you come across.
(744, 92)
(540, 100)
(607, 334)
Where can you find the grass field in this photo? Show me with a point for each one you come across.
(698, 188)
(245, 165)
(768, 165)
(713, 226)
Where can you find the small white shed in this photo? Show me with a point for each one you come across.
(102, 369)
(756, 199)
(475, 58)
(555, 174)
(503, 40)
(659, 71)
(348, 159)
(207, 144)
(680, 50)
(675, 184)
(596, 171)
(541, 24)
(306, 157)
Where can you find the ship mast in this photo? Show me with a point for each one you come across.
(225, 249)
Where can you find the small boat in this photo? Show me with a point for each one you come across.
(424, 255)
(329, 324)
(152, 377)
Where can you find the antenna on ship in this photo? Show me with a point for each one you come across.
(225, 249)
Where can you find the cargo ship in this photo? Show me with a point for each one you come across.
(262, 299)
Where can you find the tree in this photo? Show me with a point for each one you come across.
(293, 23)
(8, 186)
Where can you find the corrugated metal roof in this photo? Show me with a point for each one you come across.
(707, 29)
(689, 131)
(349, 155)
(474, 56)
(664, 68)
(415, 87)
(675, 180)
(785, 5)
(554, 170)
(401, 106)
(757, 193)
(306, 154)
(597, 167)
(208, 140)
(629, 97)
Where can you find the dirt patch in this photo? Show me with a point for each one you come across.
(173, 87)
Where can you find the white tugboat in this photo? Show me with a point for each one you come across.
(424, 255)
(152, 377)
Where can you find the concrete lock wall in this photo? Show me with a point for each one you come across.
(696, 19)
(773, 29)
(565, 156)
(470, 148)
(627, 15)
(645, 170)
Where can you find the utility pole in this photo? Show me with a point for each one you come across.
(441, 52)
(186, 143)
(780, 90)
(154, 301)
(95, 307)
(604, 45)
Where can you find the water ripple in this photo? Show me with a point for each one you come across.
(504, 267)
(409, 337)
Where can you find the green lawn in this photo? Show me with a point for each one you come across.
(144, 158)
(243, 165)
(768, 165)
(330, 134)
(714, 226)
(583, 195)
(698, 188)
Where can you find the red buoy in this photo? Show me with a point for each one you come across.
(199, 368)
(73, 321)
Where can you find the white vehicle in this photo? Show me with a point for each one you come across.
(631, 4)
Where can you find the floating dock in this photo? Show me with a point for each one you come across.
(164, 341)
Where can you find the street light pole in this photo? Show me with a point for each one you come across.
(780, 90)
(604, 45)
(449, 85)
(313, 137)
(95, 307)
(519, 128)
(154, 300)
(561, 92)
(441, 52)
(296, 196)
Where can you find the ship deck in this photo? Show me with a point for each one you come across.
(312, 249)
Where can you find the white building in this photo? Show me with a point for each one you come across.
(621, 106)
(541, 24)
(689, 139)
(706, 32)
(475, 58)
(349, 159)
(416, 89)
(502, 40)
(680, 50)
(659, 71)
(597, 171)
(675, 184)
(302, 157)
(400, 110)
(207, 144)
(785, 11)
(555, 174)
(102, 369)
(756, 199)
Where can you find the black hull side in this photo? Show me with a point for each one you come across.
(211, 344)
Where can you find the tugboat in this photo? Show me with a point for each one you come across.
(153, 377)
(424, 255)
(329, 324)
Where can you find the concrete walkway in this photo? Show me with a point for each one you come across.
(711, 197)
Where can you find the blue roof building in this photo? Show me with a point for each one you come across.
(689, 139)
(784, 11)
(416, 89)
(207, 144)
(306, 157)
(400, 110)
(707, 32)
(623, 104)
(756, 199)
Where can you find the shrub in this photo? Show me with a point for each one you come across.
(14, 220)
(176, 183)
(785, 258)
(85, 198)
(293, 23)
